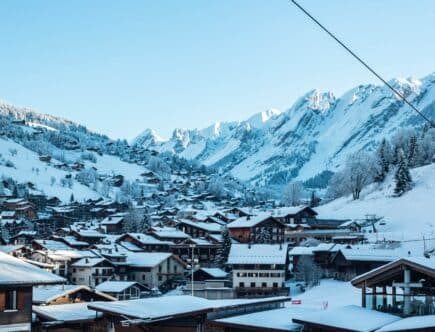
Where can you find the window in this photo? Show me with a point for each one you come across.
(253, 284)
(11, 300)
(263, 284)
(241, 284)
(275, 285)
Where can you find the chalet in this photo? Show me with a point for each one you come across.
(73, 317)
(64, 294)
(209, 283)
(144, 242)
(405, 286)
(204, 251)
(154, 269)
(259, 269)
(71, 241)
(177, 313)
(124, 290)
(348, 263)
(91, 271)
(23, 237)
(16, 281)
(197, 228)
(45, 158)
(171, 234)
(90, 236)
(239, 212)
(113, 224)
(262, 228)
(294, 214)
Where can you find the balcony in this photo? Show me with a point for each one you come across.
(261, 291)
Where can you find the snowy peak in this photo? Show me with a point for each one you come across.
(148, 138)
(260, 119)
(315, 134)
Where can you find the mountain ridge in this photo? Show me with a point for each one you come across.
(314, 135)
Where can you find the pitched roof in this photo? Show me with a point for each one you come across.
(351, 318)
(115, 286)
(66, 312)
(14, 271)
(250, 221)
(257, 254)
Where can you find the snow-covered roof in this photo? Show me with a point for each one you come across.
(169, 232)
(352, 318)
(299, 251)
(154, 308)
(167, 306)
(289, 210)
(410, 323)
(276, 319)
(249, 221)
(146, 259)
(114, 286)
(215, 272)
(148, 239)
(379, 255)
(66, 312)
(112, 220)
(48, 293)
(14, 271)
(257, 254)
(88, 262)
(209, 227)
(52, 245)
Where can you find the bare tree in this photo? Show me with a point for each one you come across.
(293, 193)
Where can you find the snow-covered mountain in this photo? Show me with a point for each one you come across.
(313, 135)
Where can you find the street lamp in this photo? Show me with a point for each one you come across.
(192, 265)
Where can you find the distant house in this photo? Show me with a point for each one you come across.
(210, 283)
(259, 269)
(91, 271)
(113, 224)
(144, 242)
(168, 234)
(45, 158)
(262, 228)
(124, 290)
(63, 294)
(295, 214)
(348, 263)
(16, 281)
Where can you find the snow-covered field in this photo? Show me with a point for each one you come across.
(409, 217)
(329, 294)
(28, 168)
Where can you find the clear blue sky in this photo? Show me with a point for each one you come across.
(119, 67)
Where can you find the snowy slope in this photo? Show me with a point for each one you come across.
(25, 164)
(407, 217)
(313, 135)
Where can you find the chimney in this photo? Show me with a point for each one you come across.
(86, 260)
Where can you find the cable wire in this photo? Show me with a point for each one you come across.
(400, 95)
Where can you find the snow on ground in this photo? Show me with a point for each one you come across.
(408, 217)
(329, 294)
(26, 161)
(109, 165)
(230, 147)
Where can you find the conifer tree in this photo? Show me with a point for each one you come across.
(402, 177)
(383, 156)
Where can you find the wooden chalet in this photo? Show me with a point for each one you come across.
(404, 287)
(262, 228)
(16, 281)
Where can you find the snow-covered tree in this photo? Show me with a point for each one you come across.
(402, 177)
(307, 271)
(383, 160)
(265, 236)
(356, 174)
(223, 252)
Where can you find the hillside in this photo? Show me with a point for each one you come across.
(408, 217)
(313, 135)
